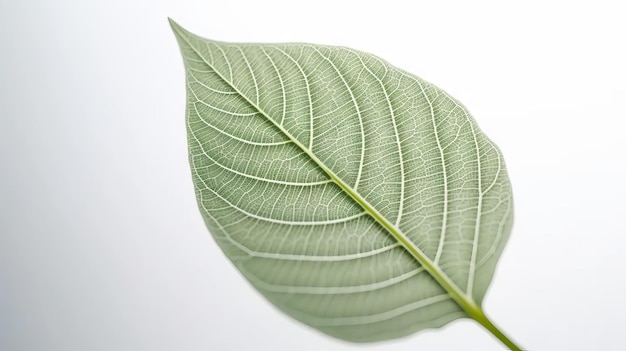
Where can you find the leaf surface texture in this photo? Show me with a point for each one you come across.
(300, 153)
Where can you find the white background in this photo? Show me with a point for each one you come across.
(102, 246)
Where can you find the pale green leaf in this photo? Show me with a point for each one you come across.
(358, 198)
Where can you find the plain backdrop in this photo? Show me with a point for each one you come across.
(102, 246)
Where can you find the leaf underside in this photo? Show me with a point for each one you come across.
(295, 149)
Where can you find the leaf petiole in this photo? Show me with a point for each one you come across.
(476, 313)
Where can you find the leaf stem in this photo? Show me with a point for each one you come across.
(475, 312)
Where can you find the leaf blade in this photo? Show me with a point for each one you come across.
(354, 180)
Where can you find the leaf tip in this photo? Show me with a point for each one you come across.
(179, 31)
(175, 26)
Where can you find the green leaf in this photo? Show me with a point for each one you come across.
(356, 197)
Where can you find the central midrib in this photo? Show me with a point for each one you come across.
(466, 302)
